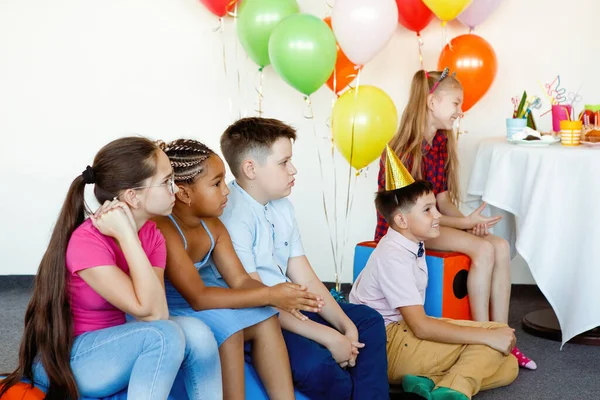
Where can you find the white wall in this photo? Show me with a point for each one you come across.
(75, 74)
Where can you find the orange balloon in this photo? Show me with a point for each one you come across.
(345, 71)
(475, 63)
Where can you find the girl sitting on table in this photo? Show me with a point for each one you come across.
(426, 145)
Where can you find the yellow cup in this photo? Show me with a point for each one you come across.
(570, 133)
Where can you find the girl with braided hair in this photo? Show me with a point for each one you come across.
(206, 280)
(95, 270)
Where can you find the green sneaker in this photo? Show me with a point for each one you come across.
(418, 385)
(444, 393)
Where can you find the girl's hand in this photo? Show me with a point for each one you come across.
(475, 218)
(114, 219)
(294, 298)
(480, 230)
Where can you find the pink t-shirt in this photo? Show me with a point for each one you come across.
(89, 248)
(394, 277)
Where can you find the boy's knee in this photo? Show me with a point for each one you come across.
(324, 375)
(513, 369)
(366, 317)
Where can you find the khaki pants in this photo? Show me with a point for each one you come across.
(464, 368)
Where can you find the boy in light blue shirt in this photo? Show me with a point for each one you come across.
(338, 353)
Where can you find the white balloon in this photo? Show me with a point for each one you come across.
(363, 27)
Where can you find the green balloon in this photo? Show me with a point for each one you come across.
(303, 50)
(256, 20)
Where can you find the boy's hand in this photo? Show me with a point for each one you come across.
(502, 339)
(341, 348)
(475, 218)
(294, 298)
(353, 337)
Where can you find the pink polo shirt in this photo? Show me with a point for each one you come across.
(89, 248)
(393, 277)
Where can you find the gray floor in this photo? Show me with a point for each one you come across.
(572, 373)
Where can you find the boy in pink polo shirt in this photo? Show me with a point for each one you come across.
(434, 358)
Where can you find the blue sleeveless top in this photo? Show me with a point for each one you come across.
(206, 268)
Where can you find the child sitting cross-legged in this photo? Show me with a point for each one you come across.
(434, 358)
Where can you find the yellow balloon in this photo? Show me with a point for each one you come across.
(447, 10)
(363, 121)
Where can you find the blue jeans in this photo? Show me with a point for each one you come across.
(316, 374)
(145, 357)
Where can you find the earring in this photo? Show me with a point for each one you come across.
(189, 204)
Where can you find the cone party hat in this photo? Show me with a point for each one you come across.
(396, 175)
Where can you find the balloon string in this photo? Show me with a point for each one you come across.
(259, 91)
(309, 114)
(221, 29)
(420, 42)
(237, 64)
(348, 199)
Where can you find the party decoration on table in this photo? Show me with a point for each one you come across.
(447, 10)
(363, 121)
(474, 61)
(256, 21)
(558, 95)
(523, 107)
(477, 12)
(219, 7)
(413, 14)
(363, 28)
(344, 72)
(302, 50)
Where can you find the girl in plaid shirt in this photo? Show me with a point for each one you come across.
(426, 146)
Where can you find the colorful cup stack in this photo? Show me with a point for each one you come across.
(570, 133)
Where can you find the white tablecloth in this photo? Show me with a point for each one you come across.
(554, 194)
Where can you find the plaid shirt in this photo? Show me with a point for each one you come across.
(433, 167)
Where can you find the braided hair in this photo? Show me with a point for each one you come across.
(187, 158)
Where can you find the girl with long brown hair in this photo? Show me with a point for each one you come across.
(426, 145)
(206, 280)
(94, 271)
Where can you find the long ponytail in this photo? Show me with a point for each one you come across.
(48, 336)
(48, 330)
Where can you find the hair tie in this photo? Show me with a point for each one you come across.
(88, 175)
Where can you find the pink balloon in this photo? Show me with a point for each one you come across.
(363, 28)
(477, 12)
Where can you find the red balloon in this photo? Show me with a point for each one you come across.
(345, 71)
(475, 63)
(219, 7)
(414, 14)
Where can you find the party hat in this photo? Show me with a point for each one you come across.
(396, 175)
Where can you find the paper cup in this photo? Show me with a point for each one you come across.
(514, 125)
(570, 133)
(560, 112)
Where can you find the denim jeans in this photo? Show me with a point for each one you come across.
(145, 358)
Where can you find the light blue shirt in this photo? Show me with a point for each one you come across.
(264, 236)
